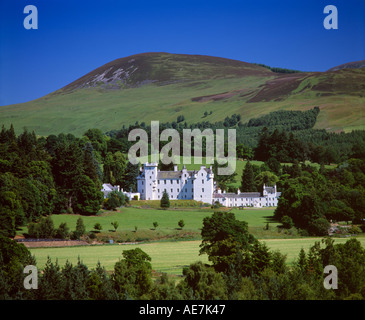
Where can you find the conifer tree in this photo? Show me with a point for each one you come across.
(165, 200)
(248, 181)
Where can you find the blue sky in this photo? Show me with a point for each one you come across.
(75, 37)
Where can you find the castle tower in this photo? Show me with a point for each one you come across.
(147, 182)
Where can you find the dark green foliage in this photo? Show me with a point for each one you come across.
(13, 258)
(255, 273)
(80, 228)
(292, 120)
(165, 289)
(87, 196)
(98, 141)
(181, 224)
(43, 229)
(222, 236)
(165, 200)
(244, 152)
(132, 275)
(295, 138)
(115, 199)
(115, 169)
(248, 179)
(312, 198)
(277, 70)
(98, 226)
(222, 180)
(287, 222)
(202, 283)
(129, 182)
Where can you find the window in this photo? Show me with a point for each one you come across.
(172, 181)
(202, 174)
(202, 189)
(158, 181)
(178, 190)
(142, 191)
(192, 189)
(150, 177)
(172, 191)
(158, 190)
(186, 181)
(142, 182)
(165, 181)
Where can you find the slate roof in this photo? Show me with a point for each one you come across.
(241, 195)
(178, 174)
(168, 174)
(270, 189)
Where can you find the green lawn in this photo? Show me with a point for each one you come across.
(130, 217)
(168, 257)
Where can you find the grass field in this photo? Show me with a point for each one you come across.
(169, 257)
(130, 217)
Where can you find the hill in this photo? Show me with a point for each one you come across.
(163, 86)
(350, 65)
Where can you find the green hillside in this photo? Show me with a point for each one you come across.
(161, 86)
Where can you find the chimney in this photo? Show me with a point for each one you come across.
(175, 167)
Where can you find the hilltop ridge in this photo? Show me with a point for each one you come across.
(163, 86)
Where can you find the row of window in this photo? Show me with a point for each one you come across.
(178, 190)
(171, 181)
(246, 199)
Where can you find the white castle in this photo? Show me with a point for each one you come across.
(197, 185)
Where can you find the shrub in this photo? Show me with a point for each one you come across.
(354, 230)
(63, 232)
(181, 224)
(319, 227)
(80, 228)
(44, 229)
(115, 225)
(98, 227)
(287, 222)
(115, 200)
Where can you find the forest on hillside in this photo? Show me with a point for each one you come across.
(40, 176)
(64, 174)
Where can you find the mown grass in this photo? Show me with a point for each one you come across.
(169, 257)
(169, 254)
(143, 218)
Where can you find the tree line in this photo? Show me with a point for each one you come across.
(57, 174)
(286, 135)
